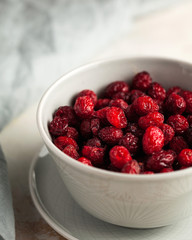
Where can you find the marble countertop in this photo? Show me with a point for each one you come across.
(164, 33)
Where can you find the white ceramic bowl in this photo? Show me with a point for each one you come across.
(137, 201)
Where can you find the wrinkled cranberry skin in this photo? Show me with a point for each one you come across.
(72, 133)
(175, 104)
(71, 151)
(63, 141)
(132, 167)
(160, 160)
(142, 81)
(153, 140)
(131, 142)
(85, 161)
(156, 91)
(134, 129)
(58, 126)
(144, 105)
(174, 89)
(84, 107)
(110, 135)
(187, 95)
(119, 103)
(95, 126)
(134, 94)
(115, 87)
(185, 158)
(168, 133)
(101, 114)
(179, 123)
(88, 93)
(121, 95)
(177, 144)
(102, 103)
(166, 170)
(94, 142)
(119, 156)
(94, 154)
(151, 119)
(116, 117)
(85, 128)
(68, 113)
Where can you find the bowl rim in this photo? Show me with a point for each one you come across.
(93, 170)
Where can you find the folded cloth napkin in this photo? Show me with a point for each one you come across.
(7, 226)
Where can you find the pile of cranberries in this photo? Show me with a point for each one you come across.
(137, 129)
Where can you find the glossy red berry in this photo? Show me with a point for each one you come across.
(142, 81)
(110, 135)
(134, 129)
(85, 161)
(185, 158)
(102, 103)
(156, 91)
(58, 126)
(121, 95)
(63, 141)
(94, 142)
(131, 142)
(166, 170)
(94, 154)
(175, 89)
(134, 94)
(179, 123)
(151, 119)
(187, 95)
(177, 144)
(175, 104)
(119, 156)
(84, 107)
(115, 87)
(148, 172)
(144, 105)
(71, 151)
(101, 114)
(88, 93)
(132, 167)
(119, 103)
(153, 140)
(168, 133)
(68, 113)
(116, 117)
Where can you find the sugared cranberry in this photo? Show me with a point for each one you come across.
(85, 161)
(119, 103)
(177, 144)
(63, 141)
(168, 133)
(179, 123)
(175, 104)
(84, 107)
(95, 126)
(166, 170)
(101, 114)
(160, 160)
(174, 89)
(142, 81)
(102, 103)
(116, 117)
(94, 154)
(134, 129)
(110, 135)
(151, 119)
(71, 151)
(58, 126)
(68, 113)
(132, 167)
(115, 87)
(88, 93)
(72, 133)
(185, 158)
(156, 91)
(131, 142)
(119, 156)
(134, 94)
(187, 95)
(94, 142)
(85, 128)
(144, 105)
(153, 140)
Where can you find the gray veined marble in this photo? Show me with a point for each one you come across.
(40, 40)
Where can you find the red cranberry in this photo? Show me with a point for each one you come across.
(71, 151)
(174, 89)
(119, 156)
(119, 103)
(85, 161)
(88, 93)
(134, 129)
(110, 135)
(185, 158)
(63, 141)
(101, 114)
(168, 133)
(132, 167)
(68, 113)
(94, 142)
(177, 144)
(160, 160)
(156, 91)
(72, 133)
(94, 154)
(115, 87)
(95, 126)
(84, 107)
(187, 95)
(113, 168)
(121, 95)
(144, 105)
(153, 140)
(151, 119)
(85, 128)
(148, 172)
(102, 103)
(116, 117)
(134, 94)
(142, 81)
(175, 104)
(58, 126)
(166, 170)
(131, 142)
(178, 123)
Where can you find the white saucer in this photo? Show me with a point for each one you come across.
(62, 213)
